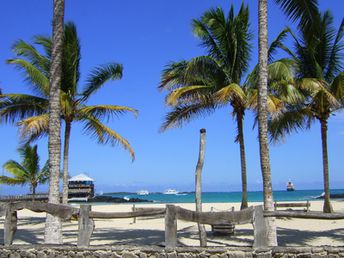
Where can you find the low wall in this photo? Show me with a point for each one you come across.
(45, 251)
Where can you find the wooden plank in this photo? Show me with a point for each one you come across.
(10, 225)
(305, 215)
(120, 215)
(213, 218)
(133, 210)
(86, 226)
(171, 226)
(260, 228)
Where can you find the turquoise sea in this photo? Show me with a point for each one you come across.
(217, 197)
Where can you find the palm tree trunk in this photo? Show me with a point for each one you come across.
(327, 204)
(262, 120)
(53, 226)
(65, 163)
(198, 185)
(240, 121)
(33, 192)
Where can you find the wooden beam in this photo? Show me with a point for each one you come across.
(86, 226)
(146, 212)
(171, 226)
(10, 225)
(213, 218)
(305, 215)
(260, 227)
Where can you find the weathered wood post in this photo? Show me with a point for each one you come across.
(10, 225)
(260, 228)
(86, 226)
(134, 209)
(171, 226)
(198, 186)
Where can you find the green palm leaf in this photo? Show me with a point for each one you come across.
(100, 75)
(101, 111)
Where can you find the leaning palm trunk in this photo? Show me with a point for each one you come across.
(65, 163)
(262, 121)
(53, 226)
(240, 121)
(327, 204)
(198, 185)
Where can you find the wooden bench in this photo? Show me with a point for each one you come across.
(223, 229)
(305, 205)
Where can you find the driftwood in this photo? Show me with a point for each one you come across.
(86, 226)
(121, 215)
(171, 226)
(60, 210)
(213, 218)
(304, 215)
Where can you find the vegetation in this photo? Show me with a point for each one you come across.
(199, 86)
(318, 74)
(33, 109)
(26, 172)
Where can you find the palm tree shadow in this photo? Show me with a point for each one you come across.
(303, 237)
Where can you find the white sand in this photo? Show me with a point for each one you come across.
(291, 232)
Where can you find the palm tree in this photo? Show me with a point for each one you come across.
(53, 226)
(26, 172)
(319, 76)
(262, 119)
(73, 102)
(197, 87)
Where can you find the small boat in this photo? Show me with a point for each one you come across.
(290, 186)
(142, 192)
(171, 191)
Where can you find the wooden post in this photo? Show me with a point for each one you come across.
(260, 228)
(308, 206)
(10, 225)
(171, 226)
(86, 226)
(134, 209)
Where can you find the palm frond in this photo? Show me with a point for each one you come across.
(184, 113)
(277, 43)
(173, 75)
(102, 111)
(33, 128)
(289, 121)
(44, 175)
(14, 107)
(14, 168)
(38, 81)
(337, 87)
(11, 181)
(232, 92)
(101, 75)
(105, 135)
(187, 92)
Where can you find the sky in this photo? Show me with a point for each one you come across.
(144, 36)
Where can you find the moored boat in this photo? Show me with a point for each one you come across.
(171, 191)
(290, 186)
(142, 192)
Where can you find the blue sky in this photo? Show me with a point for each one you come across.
(144, 36)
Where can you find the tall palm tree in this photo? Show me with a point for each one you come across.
(26, 172)
(53, 226)
(73, 102)
(262, 118)
(199, 86)
(319, 76)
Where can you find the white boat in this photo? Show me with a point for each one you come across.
(171, 191)
(142, 192)
(290, 186)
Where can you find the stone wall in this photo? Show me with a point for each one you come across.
(45, 251)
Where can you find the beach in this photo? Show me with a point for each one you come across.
(150, 231)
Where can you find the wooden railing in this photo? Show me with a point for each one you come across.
(86, 216)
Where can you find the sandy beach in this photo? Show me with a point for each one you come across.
(291, 232)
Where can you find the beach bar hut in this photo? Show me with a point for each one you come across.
(80, 188)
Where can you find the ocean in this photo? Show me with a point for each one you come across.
(218, 197)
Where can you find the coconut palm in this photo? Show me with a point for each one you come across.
(197, 87)
(27, 171)
(262, 119)
(319, 76)
(53, 226)
(33, 109)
